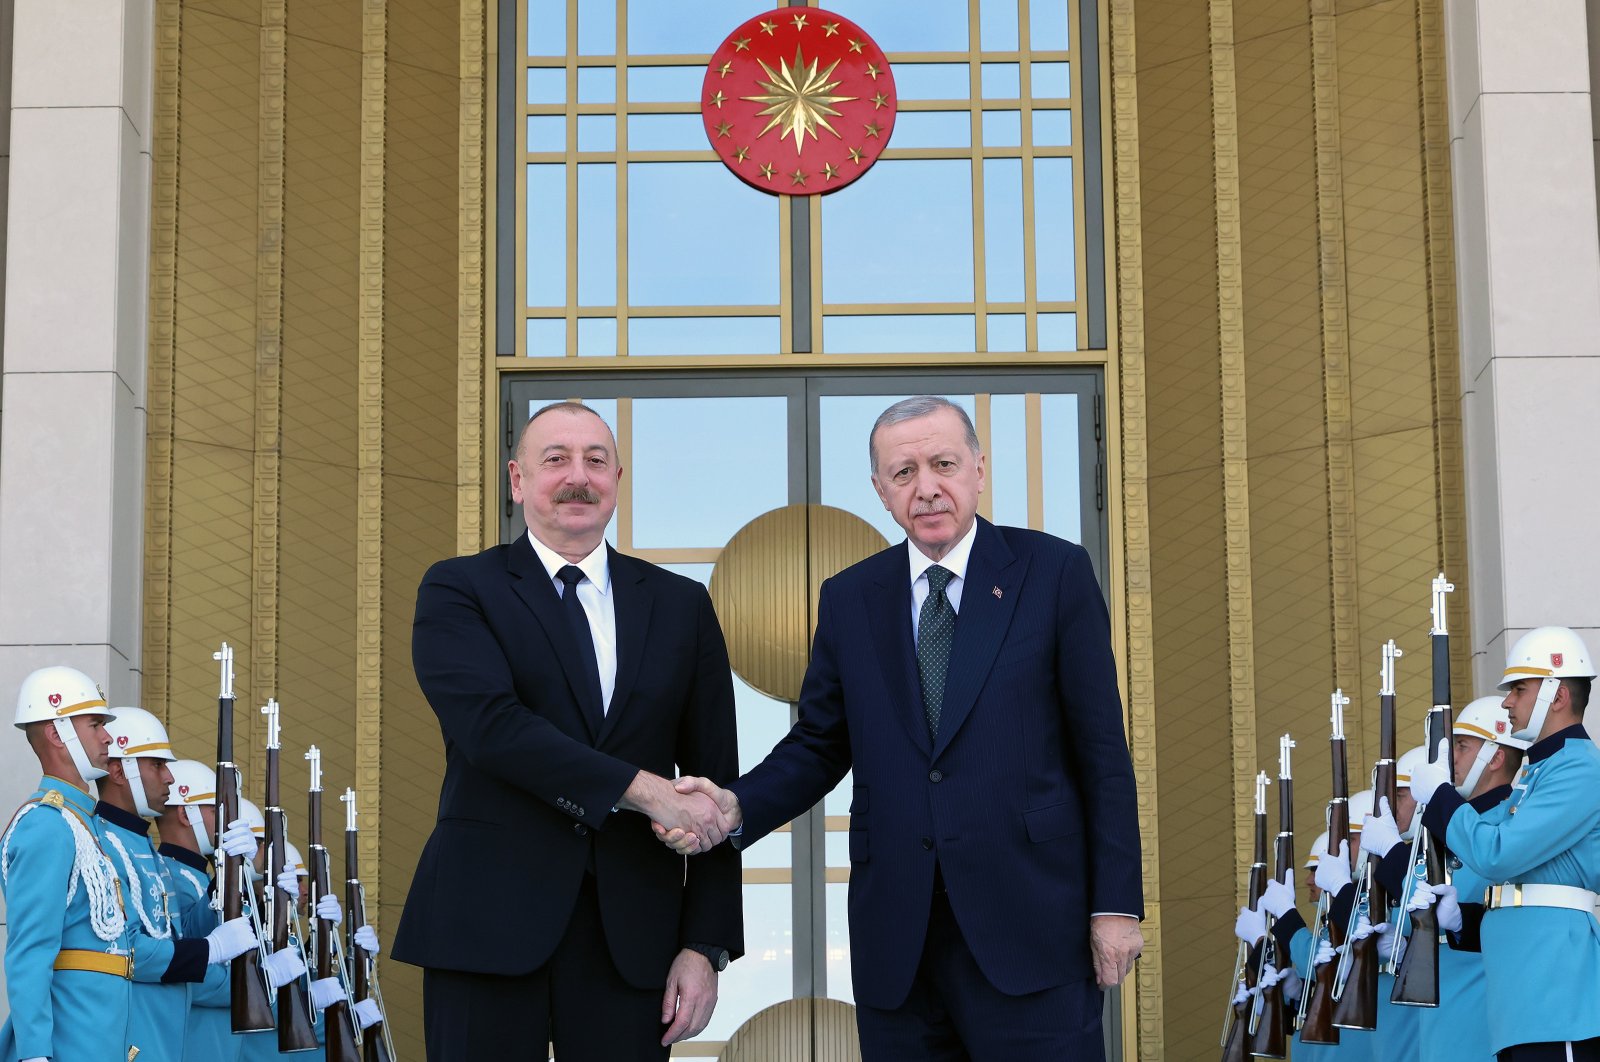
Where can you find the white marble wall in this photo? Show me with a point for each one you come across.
(1528, 267)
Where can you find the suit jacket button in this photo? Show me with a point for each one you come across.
(935, 776)
(927, 844)
(580, 829)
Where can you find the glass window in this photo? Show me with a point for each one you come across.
(597, 235)
(904, 333)
(1002, 81)
(1002, 129)
(597, 84)
(695, 241)
(668, 336)
(597, 337)
(1008, 459)
(597, 28)
(1058, 331)
(997, 25)
(598, 132)
(932, 129)
(547, 235)
(932, 81)
(897, 237)
(1047, 25)
(841, 984)
(547, 27)
(666, 84)
(766, 973)
(666, 132)
(547, 86)
(1063, 515)
(1008, 332)
(1055, 248)
(547, 337)
(1050, 129)
(935, 26)
(659, 28)
(547, 132)
(1002, 232)
(1051, 81)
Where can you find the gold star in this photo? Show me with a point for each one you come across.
(719, 99)
(723, 128)
(873, 129)
(855, 155)
(798, 99)
(873, 71)
(742, 154)
(742, 44)
(799, 22)
(830, 28)
(769, 28)
(855, 46)
(798, 177)
(726, 68)
(828, 171)
(767, 170)
(879, 101)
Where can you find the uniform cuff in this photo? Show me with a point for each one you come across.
(1445, 803)
(189, 961)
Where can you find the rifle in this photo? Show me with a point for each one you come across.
(1268, 1038)
(1316, 1026)
(296, 1022)
(376, 1043)
(337, 1019)
(249, 1003)
(1237, 1019)
(1416, 976)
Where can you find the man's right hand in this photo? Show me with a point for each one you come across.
(687, 841)
(686, 811)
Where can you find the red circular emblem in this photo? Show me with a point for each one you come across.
(798, 101)
(183, 790)
(122, 741)
(55, 700)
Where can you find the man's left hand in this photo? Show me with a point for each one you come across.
(690, 998)
(1116, 942)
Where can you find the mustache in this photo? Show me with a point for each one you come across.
(576, 494)
(929, 510)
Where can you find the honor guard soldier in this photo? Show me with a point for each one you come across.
(1540, 849)
(1333, 876)
(70, 963)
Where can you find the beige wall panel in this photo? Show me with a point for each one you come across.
(1386, 258)
(1255, 19)
(335, 25)
(1168, 30)
(423, 35)
(247, 12)
(1278, 207)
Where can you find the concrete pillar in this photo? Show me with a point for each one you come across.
(1528, 268)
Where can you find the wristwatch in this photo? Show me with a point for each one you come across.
(717, 957)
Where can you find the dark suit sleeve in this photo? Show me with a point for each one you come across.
(463, 672)
(1086, 677)
(708, 746)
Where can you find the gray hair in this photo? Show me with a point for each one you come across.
(569, 406)
(911, 409)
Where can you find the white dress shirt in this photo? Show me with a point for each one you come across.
(594, 594)
(954, 562)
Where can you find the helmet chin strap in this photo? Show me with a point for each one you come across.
(202, 836)
(80, 758)
(141, 803)
(1485, 754)
(1541, 707)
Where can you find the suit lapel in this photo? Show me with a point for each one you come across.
(981, 626)
(631, 600)
(888, 601)
(532, 584)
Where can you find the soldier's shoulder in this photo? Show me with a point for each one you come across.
(39, 820)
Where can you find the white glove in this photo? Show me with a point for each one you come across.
(367, 1013)
(1389, 944)
(1325, 953)
(239, 840)
(289, 882)
(1241, 996)
(1422, 897)
(1271, 976)
(1250, 926)
(1449, 908)
(1380, 833)
(1426, 778)
(36, 1058)
(326, 992)
(1277, 899)
(1364, 929)
(1292, 985)
(367, 941)
(230, 940)
(1333, 871)
(282, 967)
(328, 909)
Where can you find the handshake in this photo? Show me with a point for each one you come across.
(690, 815)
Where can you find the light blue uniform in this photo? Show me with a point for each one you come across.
(1541, 964)
(1353, 1043)
(209, 1030)
(159, 1011)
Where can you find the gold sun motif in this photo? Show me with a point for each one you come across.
(798, 99)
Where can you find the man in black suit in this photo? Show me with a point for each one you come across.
(967, 677)
(571, 682)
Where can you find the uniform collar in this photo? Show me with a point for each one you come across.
(954, 562)
(184, 856)
(596, 566)
(1544, 748)
(70, 792)
(117, 817)
(1492, 799)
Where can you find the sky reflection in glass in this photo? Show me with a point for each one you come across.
(695, 237)
(903, 236)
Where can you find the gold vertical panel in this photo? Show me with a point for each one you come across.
(470, 351)
(807, 1029)
(159, 378)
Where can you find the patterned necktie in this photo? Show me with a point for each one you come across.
(936, 629)
(578, 620)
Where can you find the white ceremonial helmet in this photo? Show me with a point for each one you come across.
(258, 826)
(1403, 768)
(1318, 846)
(135, 735)
(194, 785)
(294, 859)
(1484, 718)
(1549, 654)
(54, 694)
(1360, 806)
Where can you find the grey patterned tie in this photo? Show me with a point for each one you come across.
(936, 629)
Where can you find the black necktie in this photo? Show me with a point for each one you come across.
(588, 664)
(936, 629)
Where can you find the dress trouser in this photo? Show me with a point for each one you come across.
(577, 1000)
(1570, 1051)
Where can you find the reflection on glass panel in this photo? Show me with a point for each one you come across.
(656, 28)
(597, 132)
(547, 132)
(930, 26)
(997, 25)
(666, 132)
(547, 27)
(1058, 331)
(836, 848)
(1052, 81)
(933, 129)
(954, 333)
(1008, 459)
(1055, 254)
(547, 235)
(1002, 129)
(1062, 490)
(597, 28)
(597, 235)
(1001, 81)
(932, 81)
(904, 236)
(597, 337)
(838, 801)
(597, 84)
(840, 982)
(548, 85)
(663, 336)
(1008, 332)
(766, 973)
(705, 467)
(665, 84)
(547, 337)
(677, 258)
(762, 724)
(1002, 232)
(1050, 129)
(1047, 25)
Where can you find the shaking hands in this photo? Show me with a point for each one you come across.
(690, 815)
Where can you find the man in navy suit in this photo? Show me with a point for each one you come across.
(967, 677)
(570, 683)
